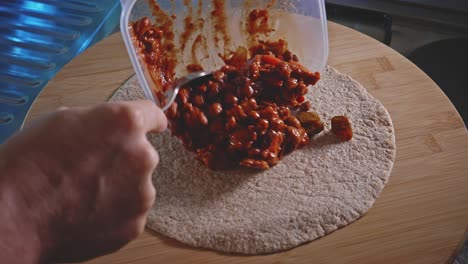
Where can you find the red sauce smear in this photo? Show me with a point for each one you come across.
(219, 18)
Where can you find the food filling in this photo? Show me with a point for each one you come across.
(251, 112)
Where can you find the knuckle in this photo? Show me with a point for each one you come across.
(148, 195)
(128, 117)
(145, 160)
(62, 115)
(63, 108)
(134, 229)
(146, 157)
(155, 157)
(140, 163)
(139, 227)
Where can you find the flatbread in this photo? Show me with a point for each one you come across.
(309, 194)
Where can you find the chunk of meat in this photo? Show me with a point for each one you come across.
(341, 127)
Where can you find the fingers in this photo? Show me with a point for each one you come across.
(145, 115)
(125, 124)
(141, 116)
(130, 117)
(107, 159)
(140, 159)
(146, 159)
(154, 116)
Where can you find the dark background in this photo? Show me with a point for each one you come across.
(433, 34)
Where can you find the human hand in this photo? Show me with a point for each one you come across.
(77, 183)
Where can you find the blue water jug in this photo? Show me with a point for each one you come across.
(37, 38)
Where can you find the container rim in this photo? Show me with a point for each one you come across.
(124, 28)
(326, 45)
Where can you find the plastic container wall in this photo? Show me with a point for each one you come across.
(302, 23)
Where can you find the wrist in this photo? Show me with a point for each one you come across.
(20, 238)
(19, 241)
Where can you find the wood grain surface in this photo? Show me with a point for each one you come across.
(421, 215)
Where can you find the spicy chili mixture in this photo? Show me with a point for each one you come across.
(251, 112)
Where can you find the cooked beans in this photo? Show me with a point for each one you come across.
(306, 106)
(246, 114)
(215, 109)
(251, 112)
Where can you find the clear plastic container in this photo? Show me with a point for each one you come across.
(302, 24)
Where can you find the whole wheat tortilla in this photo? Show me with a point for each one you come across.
(310, 193)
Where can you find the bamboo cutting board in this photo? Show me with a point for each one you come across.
(421, 215)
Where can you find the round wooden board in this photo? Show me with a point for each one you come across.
(421, 215)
